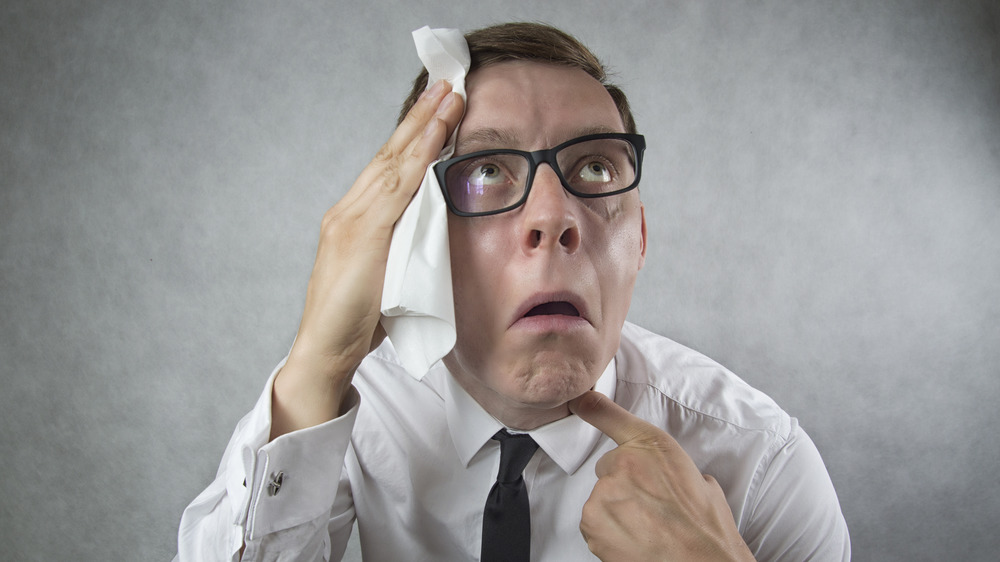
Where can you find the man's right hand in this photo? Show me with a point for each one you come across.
(340, 323)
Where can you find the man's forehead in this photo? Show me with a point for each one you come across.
(486, 138)
(530, 105)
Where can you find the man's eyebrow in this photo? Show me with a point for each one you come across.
(595, 130)
(483, 139)
(489, 138)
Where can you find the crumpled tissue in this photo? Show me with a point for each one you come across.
(418, 308)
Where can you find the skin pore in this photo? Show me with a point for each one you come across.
(578, 259)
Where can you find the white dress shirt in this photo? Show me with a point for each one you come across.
(413, 462)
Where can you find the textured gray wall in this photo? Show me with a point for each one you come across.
(823, 188)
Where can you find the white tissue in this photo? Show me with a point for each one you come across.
(418, 308)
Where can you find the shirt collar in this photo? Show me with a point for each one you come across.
(567, 441)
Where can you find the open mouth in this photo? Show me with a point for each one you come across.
(562, 308)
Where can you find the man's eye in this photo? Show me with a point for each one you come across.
(595, 172)
(486, 174)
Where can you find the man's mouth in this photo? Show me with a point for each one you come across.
(561, 308)
(552, 311)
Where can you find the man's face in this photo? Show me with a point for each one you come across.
(541, 292)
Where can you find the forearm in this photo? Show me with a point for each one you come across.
(307, 393)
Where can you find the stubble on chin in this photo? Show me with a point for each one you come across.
(556, 381)
(529, 393)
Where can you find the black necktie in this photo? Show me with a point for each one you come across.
(507, 516)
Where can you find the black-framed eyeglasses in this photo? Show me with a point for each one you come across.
(488, 182)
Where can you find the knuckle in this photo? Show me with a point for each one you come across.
(390, 181)
(597, 548)
(712, 483)
(585, 517)
(626, 462)
(596, 496)
(385, 154)
(338, 229)
(589, 521)
(328, 229)
(330, 218)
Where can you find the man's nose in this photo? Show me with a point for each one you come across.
(549, 218)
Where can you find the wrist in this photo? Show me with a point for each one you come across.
(308, 393)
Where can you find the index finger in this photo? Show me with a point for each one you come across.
(612, 420)
(418, 117)
(401, 163)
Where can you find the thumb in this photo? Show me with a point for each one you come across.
(611, 419)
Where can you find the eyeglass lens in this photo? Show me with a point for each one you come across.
(494, 181)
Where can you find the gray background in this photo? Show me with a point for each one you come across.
(822, 184)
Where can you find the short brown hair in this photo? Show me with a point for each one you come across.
(535, 42)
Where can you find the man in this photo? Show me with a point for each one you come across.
(645, 449)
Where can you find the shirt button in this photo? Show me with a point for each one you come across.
(275, 484)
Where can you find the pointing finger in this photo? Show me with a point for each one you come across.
(614, 421)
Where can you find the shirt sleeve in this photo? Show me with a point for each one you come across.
(796, 515)
(276, 497)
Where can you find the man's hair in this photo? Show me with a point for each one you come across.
(533, 42)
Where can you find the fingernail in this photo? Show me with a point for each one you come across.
(447, 102)
(436, 89)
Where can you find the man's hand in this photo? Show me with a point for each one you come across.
(340, 321)
(651, 502)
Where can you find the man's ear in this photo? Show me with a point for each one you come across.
(642, 240)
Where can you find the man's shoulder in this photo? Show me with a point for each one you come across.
(655, 368)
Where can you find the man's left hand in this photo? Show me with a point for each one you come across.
(651, 502)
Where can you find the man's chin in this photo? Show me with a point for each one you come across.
(551, 384)
(528, 386)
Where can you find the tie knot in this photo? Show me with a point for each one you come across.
(515, 452)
